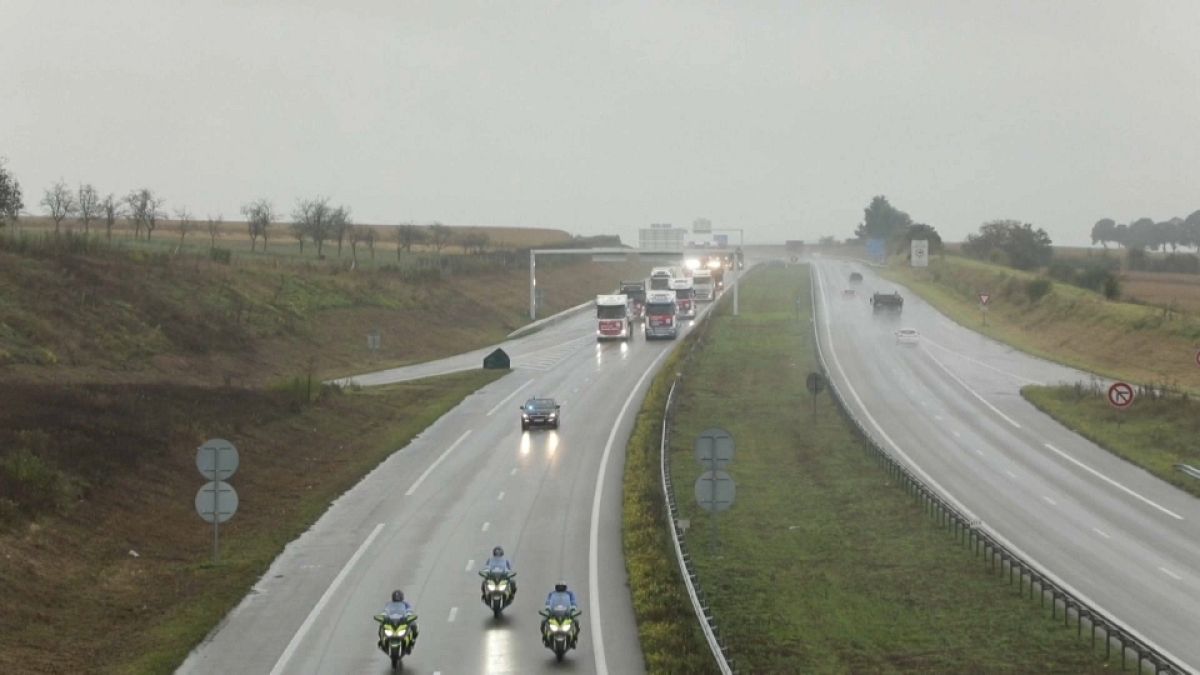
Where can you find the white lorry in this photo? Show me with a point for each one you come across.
(614, 321)
(660, 315)
(706, 288)
(685, 297)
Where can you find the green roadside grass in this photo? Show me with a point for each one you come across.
(671, 639)
(225, 584)
(822, 564)
(1154, 433)
(1069, 325)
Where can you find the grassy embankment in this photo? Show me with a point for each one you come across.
(1070, 325)
(1156, 433)
(823, 566)
(112, 314)
(113, 368)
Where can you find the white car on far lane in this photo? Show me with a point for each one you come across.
(908, 336)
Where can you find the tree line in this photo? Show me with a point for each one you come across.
(314, 221)
(1144, 233)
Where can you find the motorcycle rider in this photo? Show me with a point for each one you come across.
(561, 595)
(497, 560)
(399, 606)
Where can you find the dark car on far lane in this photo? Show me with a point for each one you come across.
(539, 412)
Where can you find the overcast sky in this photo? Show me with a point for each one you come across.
(602, 117)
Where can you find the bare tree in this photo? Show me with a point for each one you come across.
(406, 236)
(439, 236)
(59, 203)
(300, 232)
(475, 242)
(10, 196)
(340, 225)
(258, 218)
(214, 230)
(112, 210)
(185, 223)
(357, 233)
(89, 206)
(312, 219)
(145, 208)
(370, 236)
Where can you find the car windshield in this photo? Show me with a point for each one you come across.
(539, 404)
(610, 311)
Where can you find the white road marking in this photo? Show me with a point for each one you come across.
(1171, 574)
(500, 497)
(1026, 380)
(453, 613)
(288, 651)
(513, 472)
(979, 452)
(470, 565)
(956, 434)
(1102, 533)
(1049, 501)
(508, 398)
(1010, 474)
(594, 536)
(937, 417)
(575, 390)
(433, 466)
(970, 390)
(1111, 481)
(485, 527)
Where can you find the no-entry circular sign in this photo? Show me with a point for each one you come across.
(1120, 395)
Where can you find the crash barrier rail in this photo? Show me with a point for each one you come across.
(686, 569)
(1000, 558)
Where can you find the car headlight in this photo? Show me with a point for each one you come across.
(524, 416)
(553, 415)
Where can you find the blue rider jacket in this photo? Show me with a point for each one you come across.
(561, 598)
(402, 608)
(497, 562)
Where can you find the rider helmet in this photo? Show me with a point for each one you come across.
(561, 587)
(397, 596)
(498, 552)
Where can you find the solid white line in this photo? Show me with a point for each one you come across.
(453, 613)
(594, 538)
(513, 472)
(470, 565)
(500, 497)
(970, 390)
(485, 527)
(937, 417)
(979, 452)
(956, 434)
(1011, 474)
(981, 363)
(1049, 501)
(1111, 481)
(312, 615)
(508, 398)
(1171, 574)
(433, 466)
(1101, 533)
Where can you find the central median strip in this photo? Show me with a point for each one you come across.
(822, 564)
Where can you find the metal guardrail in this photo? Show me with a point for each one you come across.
(703, 614)
(999, 557)
(1189, 470)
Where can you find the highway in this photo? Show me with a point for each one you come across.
(950, 407)
(425, 520)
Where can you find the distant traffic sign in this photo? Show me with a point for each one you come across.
(217, 459)
(216, 501)
(1120, 395)
(815, 383)
(984, 297)
(714, 448)
(715, 491)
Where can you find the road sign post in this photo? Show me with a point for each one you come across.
(217, 501)
(984, 298)
(714, 488)
(1120, 395)
(815, 384)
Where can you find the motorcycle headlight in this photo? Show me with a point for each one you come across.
(400, 631)
(491, 586)
(388, 631)
(503, 585)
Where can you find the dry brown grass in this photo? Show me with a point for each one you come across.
(1177, 291)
